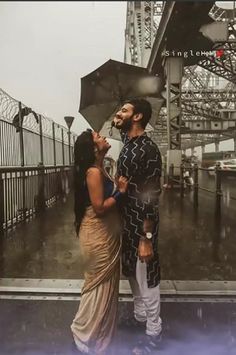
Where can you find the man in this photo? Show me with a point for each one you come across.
(140, 161)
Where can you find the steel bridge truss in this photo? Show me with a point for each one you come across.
(142, 21)
(208, 89)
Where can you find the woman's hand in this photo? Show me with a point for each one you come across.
(122, 184)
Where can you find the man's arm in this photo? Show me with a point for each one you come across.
(151, 188)
(149, 199)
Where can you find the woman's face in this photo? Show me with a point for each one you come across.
(100, 142)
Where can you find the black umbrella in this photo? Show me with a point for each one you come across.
(105, 89)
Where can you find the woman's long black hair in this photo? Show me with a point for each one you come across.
(84, 158)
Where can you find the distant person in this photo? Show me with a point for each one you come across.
(97, 226)
(140, 161)
(187, 175)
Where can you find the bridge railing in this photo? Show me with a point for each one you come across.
(195, 185)
(26, 191)
(28, 138)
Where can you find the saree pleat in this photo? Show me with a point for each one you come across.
(95, 322)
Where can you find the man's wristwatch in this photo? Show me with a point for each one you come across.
(149, 235)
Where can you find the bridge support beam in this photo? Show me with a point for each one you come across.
(174, 73)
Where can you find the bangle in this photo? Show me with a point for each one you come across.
(117, 195)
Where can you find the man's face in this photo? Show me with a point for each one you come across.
(124, 117)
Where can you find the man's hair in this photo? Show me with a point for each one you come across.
(141, 106)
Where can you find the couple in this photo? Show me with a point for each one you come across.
(103, 215)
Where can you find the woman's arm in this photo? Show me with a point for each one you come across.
(96, 192)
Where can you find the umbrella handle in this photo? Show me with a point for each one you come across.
(110, 131)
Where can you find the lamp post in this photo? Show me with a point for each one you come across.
(69, 120)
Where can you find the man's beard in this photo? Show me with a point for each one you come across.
(126, 125)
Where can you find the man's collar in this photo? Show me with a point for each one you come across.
(139, 135)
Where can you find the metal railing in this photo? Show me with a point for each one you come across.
(26, 191)
(195, 186)
(28, 138)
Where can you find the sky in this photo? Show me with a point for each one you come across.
(46, 47)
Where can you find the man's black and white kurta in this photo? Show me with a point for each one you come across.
(140, 161)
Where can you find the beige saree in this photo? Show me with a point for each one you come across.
(95, 321)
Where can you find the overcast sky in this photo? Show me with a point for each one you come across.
(46, 47)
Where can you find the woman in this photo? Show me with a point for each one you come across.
(97, 225)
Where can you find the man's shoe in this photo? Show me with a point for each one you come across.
(148, 345)
(153, 341)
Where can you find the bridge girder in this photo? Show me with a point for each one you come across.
(142, 21)
(199, 98)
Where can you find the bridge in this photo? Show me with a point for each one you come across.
(40, 269)
(201, 66)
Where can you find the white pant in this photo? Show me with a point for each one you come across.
(146, 300)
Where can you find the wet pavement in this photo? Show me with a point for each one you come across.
(43, 328)
(194, 243)
(198, 243)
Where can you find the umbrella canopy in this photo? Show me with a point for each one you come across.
(105, 89)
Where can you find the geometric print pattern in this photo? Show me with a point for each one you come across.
(140, 161)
